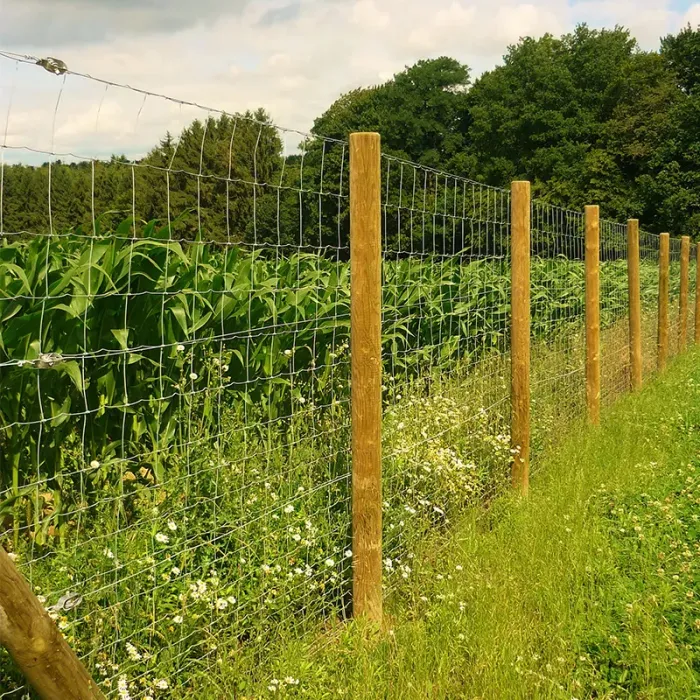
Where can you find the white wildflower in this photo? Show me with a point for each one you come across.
(132, 652)
(172, 526)
(162, 538)
(123, 688)
(289, 508)
(221, 604)
(348, 553)
(162, 684)
(108, 553)
(94, 464)
(178, 619)
(194, 376)
(180, 348)
(175, 571)
(330, 562)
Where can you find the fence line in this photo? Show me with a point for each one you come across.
(192, 458)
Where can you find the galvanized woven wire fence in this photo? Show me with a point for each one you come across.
(176, 377)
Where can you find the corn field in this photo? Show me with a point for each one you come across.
(175, 423)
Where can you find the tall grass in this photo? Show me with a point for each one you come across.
(144, 377)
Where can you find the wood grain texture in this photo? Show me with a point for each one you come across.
(664, 251)
(683, 300)
(36, 644)
(366, 361)
(593, 313)
(520, 334)
(635, 304)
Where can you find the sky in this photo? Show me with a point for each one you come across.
(291, 57)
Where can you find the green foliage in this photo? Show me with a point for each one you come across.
(587, 589)
(149, 330)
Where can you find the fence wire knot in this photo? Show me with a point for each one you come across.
(53, 65)
(47, 360)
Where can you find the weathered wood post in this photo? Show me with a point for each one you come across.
(366, 366)
(664, 252)
(683, 301)
(593, 313)
(36, 644)
(635, 310)
(520, 334)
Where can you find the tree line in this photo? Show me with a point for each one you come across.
(588, 117)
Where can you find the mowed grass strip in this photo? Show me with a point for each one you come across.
(587, 589)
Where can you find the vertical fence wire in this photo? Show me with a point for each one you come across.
(674, 287)
(174, 368)
(557, 279)
(446, 351)
(614, 312)
(175, 381)
(649, 292)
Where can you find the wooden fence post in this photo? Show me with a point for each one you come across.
(697, 293)
(664, 252)
(35, 643)
(366, 367)
(520, 333)
(683, 302)
(593, 313)
(635, 303)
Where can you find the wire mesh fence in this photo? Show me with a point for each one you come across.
(557, 289)
(614, 303)
(674, 317)
(175, 378)
(175, 373)
(445, 324)
(649, 293)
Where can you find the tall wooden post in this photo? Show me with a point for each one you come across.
(635, 303)
(366, 366)
(664, 253)
(697, 293)
(593, 313)
(520, 334)
(683, 302)
(35, 643)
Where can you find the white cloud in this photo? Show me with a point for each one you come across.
(648, 20)
(292, 57)
(692, 15)
(366, 14)
(61, 22)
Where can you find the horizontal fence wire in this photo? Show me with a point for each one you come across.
(175, 381)
(614, 311)
(446, 281)
(175, 428)
(557, 292)
(649, 294)
(674, 287)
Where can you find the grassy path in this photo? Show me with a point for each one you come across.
(587, 589)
